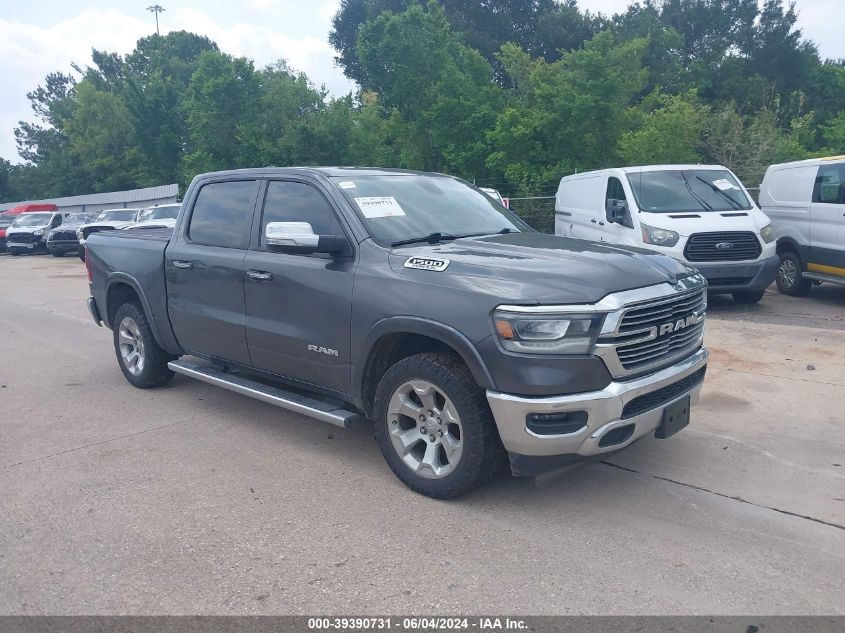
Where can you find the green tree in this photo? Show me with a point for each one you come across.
(669, 131)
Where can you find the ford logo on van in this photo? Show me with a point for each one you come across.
(723, 246)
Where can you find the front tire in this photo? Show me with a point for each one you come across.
(789, 280)
(434, 427)
(141, 359)
(749, 297)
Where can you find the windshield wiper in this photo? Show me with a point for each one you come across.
(700, 201)
(431, 238)
(733, 203)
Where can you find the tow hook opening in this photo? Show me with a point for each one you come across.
(619, 435)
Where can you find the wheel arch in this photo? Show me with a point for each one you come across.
(121, 288)
(395, 338)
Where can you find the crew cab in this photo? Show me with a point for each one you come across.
(701, 214)
(412, 300)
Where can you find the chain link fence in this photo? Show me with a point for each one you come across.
(537, 211)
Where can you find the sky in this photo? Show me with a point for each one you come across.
(47, 35)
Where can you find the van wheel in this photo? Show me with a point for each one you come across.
(789, 280)
(749, 297)
(434, 426)
(141, 359)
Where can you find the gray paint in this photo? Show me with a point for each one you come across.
(346, 304)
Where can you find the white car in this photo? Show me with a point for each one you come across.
(700, 214)
(494, 193)
(806, 203)
(108, 220)
(159, 216)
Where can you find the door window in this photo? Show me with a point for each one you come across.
(830, 184)
(298, 202)
(222, 214)
(615, 191)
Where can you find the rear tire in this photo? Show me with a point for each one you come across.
(57, 253)
(789, 279)
(749, 297)
(14, 252)
(444, 442)
(141, 359)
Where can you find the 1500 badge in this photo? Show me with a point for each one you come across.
(427, 263)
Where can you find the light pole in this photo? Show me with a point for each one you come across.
(156, 8)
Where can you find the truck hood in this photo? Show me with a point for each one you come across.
(25, 230)
(540, 268)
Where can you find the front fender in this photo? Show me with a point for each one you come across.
(424, 327)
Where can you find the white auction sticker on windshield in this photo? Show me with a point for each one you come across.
(723, 184)
(380, 207)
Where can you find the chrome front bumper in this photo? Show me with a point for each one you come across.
(604, 412)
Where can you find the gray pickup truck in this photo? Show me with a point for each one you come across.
(412, 300)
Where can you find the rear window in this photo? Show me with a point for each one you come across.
(222, 214)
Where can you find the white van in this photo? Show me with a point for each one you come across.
(806, 203)
(700, 214)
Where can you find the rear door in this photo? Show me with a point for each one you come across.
(827, 221)
(204, 268)
(298, 307)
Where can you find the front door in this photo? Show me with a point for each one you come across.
(298, 307)
(615, 232)
(827, 221)
(204, 269)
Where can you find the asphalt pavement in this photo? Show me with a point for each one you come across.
(191, 499)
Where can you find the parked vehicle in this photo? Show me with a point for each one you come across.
(806, 203)
(415, 301)
(700, 214)
(29, 207)
(159, 216)
(6, 220)
(108, 220)
(63, 239)
(28, 232)
(494, 193)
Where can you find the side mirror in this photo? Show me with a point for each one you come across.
(299, 238)
(616, 210)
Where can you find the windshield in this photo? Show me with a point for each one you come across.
(169, 211)
(402, 207)
(32, 219)
(117, 215)
(698, 190)
(80, 218)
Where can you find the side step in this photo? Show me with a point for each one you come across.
(319, 409)
(833, 279)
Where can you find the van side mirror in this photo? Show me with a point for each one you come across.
(299, 238)
(616, 210)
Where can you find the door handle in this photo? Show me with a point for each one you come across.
(259, 275)
(601, 223)
(181, 263)
(593, 220)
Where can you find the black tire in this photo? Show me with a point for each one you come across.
(789, 279)
(57, 253)
(482, 451)
(14, 252)
(749, 297)
(154, 371)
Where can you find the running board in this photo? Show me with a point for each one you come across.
(319, 409)
(833, 279)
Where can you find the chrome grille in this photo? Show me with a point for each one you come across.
(656, 333)
(725, 246)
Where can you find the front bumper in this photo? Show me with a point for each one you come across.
(605, 410)
(743, 277)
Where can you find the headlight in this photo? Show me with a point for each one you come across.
(39, 232)
(767, 233)
(547, 334)
(659, 237)
(78, 233)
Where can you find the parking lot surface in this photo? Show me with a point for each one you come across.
(191, 499)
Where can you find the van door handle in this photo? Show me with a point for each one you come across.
(259, 275)
(181, 263)
(601, 223)
(593, 220)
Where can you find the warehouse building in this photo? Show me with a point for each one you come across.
(135, 198)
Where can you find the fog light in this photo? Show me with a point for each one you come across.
(556, 423)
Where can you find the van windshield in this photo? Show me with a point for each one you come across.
(32, 219)
(684, 190)
(118, 215)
